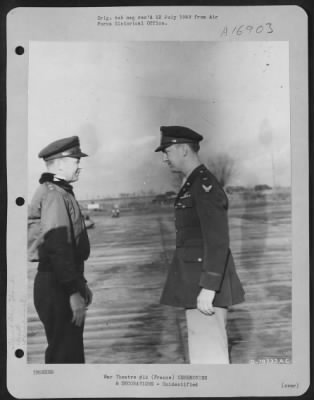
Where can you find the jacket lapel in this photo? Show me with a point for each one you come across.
(188, 183)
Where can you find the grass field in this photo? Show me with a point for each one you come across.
(127, 269)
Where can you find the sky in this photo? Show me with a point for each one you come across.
(116, 95)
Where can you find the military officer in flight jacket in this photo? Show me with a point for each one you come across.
(58, 241)
(202, 277)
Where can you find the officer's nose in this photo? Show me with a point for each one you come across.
(165, 157)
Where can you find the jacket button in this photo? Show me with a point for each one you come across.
(199, 260)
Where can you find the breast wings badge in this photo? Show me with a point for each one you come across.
(186, 195)
(207, 188)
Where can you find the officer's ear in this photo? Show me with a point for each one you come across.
(60, 164)
(52, 165)
(185, 148)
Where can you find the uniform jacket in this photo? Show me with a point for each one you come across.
(57, 236)
(202, 258)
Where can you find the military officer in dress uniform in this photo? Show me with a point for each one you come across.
(202, 277)
(58, 241)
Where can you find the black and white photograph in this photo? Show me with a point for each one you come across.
(115, 97)
(162, 216)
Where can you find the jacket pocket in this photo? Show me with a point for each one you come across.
(193, 254)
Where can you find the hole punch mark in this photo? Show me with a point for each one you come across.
(19, 50)
(19, 353)
(20, 201)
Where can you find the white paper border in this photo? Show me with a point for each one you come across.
(45, 24)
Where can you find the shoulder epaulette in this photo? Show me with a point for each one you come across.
(204, 175)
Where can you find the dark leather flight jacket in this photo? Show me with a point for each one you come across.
(57, 236)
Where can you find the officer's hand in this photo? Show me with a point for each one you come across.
(88, 295)
(205, 301)
(78, 308)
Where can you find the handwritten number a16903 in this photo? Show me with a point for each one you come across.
(247, 29)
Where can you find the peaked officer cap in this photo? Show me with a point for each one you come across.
(68, 147)
(177, 134)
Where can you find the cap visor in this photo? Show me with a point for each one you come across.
(79, 154)
(159, 148)
(163, 147)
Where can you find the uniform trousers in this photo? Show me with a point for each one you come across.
(207, 337)
(65, 339)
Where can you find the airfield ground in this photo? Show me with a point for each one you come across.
(126, 271)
